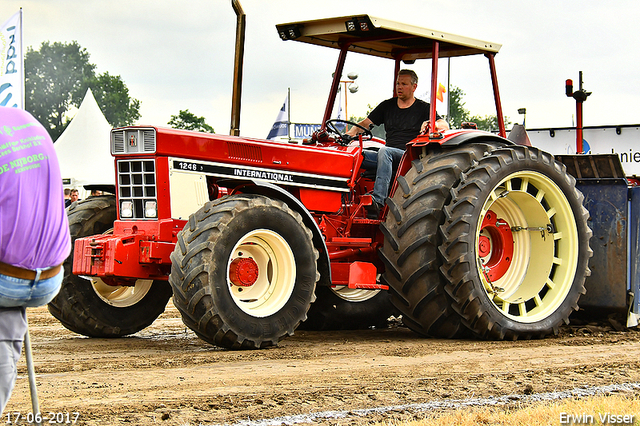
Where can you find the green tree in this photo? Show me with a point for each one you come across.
(57, 77)
(189, 121)
(112, 95)
(458, 114)
(488, 122)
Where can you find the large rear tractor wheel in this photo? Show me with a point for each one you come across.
(410, 250)
(516, 245)
(244, 272)
(88, 305)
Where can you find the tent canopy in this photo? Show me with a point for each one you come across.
(83, 148)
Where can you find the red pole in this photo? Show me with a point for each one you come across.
(434, 86)
(579, 128)
(396, 70)
(496, 94)
(336, 83)
(580, 96)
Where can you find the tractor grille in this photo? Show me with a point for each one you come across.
(136, 185)
(130, 141)
(243, 151)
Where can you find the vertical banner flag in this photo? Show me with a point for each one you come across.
(340, 115)
(11, 63)
(442, 101)
(440, 93)
(281, 125)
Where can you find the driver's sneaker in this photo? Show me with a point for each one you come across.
(373, 210)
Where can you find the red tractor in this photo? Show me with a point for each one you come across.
(479, 235)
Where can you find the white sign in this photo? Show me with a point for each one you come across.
(304, 131)
(623, 140)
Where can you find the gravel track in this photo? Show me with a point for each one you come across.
(166, 375)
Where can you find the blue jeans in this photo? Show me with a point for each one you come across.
(383, 161)
(28, 293)
(13, 326)
(9, 356)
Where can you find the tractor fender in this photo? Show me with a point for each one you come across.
(475, 137)
(273, 191)
(416, 147)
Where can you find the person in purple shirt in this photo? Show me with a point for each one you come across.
(34, 232)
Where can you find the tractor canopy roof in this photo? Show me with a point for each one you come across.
(380, 37)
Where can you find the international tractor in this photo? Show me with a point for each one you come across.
(479, 237)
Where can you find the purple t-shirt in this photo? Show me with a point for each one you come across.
(34, 231)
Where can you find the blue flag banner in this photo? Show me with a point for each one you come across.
(11, 63)
(281, 125)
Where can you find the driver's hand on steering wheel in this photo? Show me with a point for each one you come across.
(424, 128)
(347, 138)
(353, 131)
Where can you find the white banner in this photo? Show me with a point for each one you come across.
(11, 63)
(623, 140)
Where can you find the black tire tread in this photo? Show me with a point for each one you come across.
(412, 239)
(459, 262)
(191, 266)
(77, 306)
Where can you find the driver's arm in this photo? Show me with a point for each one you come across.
(441, 126)
(366, 123)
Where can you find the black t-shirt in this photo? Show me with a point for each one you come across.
(401, 124)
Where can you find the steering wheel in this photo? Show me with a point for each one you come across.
(342, 137)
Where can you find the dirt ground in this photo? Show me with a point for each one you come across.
(166, 375)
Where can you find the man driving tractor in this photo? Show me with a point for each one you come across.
(404, 117)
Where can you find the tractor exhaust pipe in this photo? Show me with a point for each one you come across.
(237, 68)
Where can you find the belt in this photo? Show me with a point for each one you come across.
(28, 274)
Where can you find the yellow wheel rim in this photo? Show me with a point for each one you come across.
(545, 246)
(275, 267)
(121, 296)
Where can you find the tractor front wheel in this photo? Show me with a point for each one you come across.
(244, 272)
(88, 305)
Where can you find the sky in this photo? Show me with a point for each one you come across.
(175, 55)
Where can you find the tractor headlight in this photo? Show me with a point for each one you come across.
(126, 209)
(150, 209)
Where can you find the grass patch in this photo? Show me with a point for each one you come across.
(583, 411)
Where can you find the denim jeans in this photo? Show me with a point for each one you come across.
(13, 326)
(383, 161)
(28, 293)
(9, 356)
